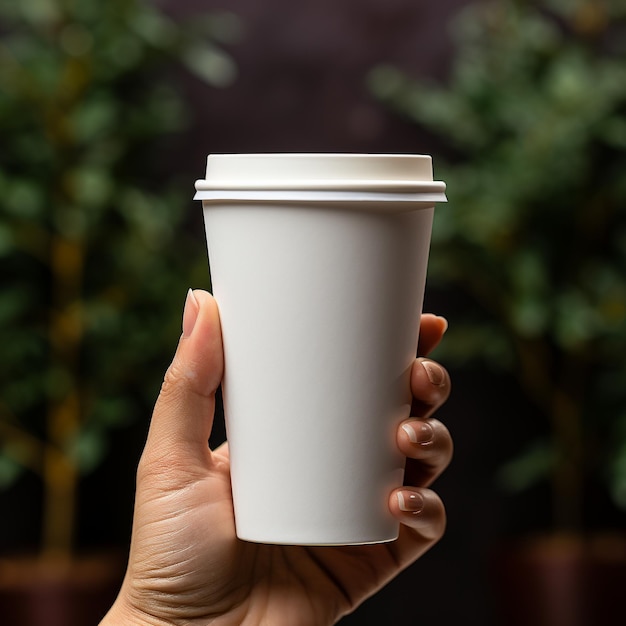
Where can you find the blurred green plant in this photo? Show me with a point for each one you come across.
(533, 117)
(92, 237)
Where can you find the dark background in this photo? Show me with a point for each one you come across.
(301, 86)
(302, 72)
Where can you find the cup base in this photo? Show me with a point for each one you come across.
(318, 544)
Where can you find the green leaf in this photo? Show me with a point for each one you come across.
(210, 64)
(617, 477)
(23, 198)
(156, 28)
(385, 81)
(576, 319)
(40, 12)
(94, 118)
(6, 240)
(10, 471)
(88, 449)
(91, 186)
(528, 468)
(112, 412)
(613, 132)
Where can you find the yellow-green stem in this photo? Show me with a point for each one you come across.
(60, 475)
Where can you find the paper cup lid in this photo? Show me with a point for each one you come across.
(320, 177)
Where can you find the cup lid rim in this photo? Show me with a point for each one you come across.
(388, 173)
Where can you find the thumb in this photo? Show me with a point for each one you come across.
(183, 414)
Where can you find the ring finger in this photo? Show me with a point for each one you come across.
(427, 444)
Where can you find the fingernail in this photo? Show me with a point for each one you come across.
(190, 314)
(434, 372)
(410, 502)
(422, 434)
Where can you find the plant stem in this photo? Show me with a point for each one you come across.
(567, 423)
(59, 512)
(560, 397)
(567, 477)
(558, 390)
(60, 474)
(24, 448)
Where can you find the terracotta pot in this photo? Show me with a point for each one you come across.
(52, 592)
(562, 581)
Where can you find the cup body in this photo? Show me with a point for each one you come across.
(320, 303)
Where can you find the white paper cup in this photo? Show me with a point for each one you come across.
(318, 265)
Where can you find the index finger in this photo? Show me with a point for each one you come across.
(432, 329)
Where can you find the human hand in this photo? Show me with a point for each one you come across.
(186, 565)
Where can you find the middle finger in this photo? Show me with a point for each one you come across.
(430, 386)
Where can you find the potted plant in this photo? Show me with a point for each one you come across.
(533, 118)
(91, 242)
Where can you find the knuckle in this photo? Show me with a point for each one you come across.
(442, 433)
(438, 520)
(168, 470)
(442, 522)
(185, 377)
(173, 381)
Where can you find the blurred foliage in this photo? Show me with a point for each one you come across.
(533, 119)
(95, 258)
